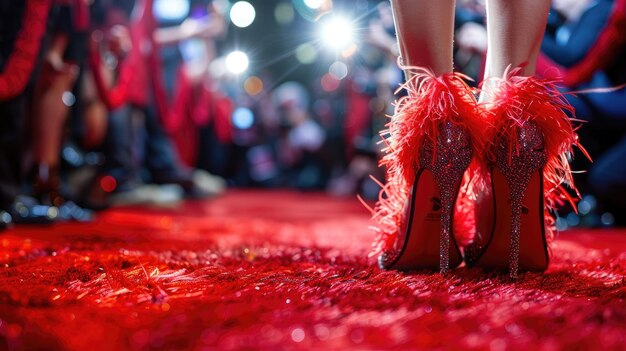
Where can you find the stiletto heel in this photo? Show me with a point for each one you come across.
(517, 178)
(428, 150)
(518, 168)
(453, 156)
(528, 161)
(441, 168)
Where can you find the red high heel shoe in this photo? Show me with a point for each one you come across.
(528, 168)
(428, 150)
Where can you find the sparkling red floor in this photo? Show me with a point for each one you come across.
(286, 270)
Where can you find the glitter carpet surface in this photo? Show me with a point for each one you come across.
(285, 270)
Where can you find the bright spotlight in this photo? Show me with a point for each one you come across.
(313, 4)
(237, 62)
(338, 32)
(242, 14)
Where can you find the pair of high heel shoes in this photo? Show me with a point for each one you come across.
(513, 152)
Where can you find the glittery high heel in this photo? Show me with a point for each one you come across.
(428, 149)
(528, 152)
(517, 183)
(429, 213)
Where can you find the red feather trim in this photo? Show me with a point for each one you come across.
(517, 100)
(431, 100)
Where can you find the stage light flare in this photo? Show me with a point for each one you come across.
(242, 14)
(337, 32)
(237, 62)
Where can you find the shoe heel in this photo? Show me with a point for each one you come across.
(518, 165)
(447, 162)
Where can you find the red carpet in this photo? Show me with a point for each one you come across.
(282, 270)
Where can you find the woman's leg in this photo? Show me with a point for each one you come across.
(425, 31)
(515, 30)
(430, 119)
(50, 115)
(530, 131)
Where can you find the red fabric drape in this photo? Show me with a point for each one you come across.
(20, 64)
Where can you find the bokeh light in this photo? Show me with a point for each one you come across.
(68, 98)
(329, 83)
(243, 118)
(338, 70)
(607, 219)
(108, 184)
(218, 67)
(242, 14)
(306, 53)
(337, 32)
(283, 13)
(253, 86)
(237, 62)
(314, 4)
(349, 51)
(171, 10)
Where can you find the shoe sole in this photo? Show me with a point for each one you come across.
(421, 247)
(533, 247)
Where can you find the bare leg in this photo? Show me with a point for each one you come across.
(50, 113)
(425, 31)
(95, 116)
(51, 117)
(515, 30)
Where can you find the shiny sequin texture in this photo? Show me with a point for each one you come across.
(517, 161)
(518, 166)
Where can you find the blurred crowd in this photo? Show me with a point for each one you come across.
(120, 102)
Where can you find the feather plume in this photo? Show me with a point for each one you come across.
(516, 100)
(430, 101)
